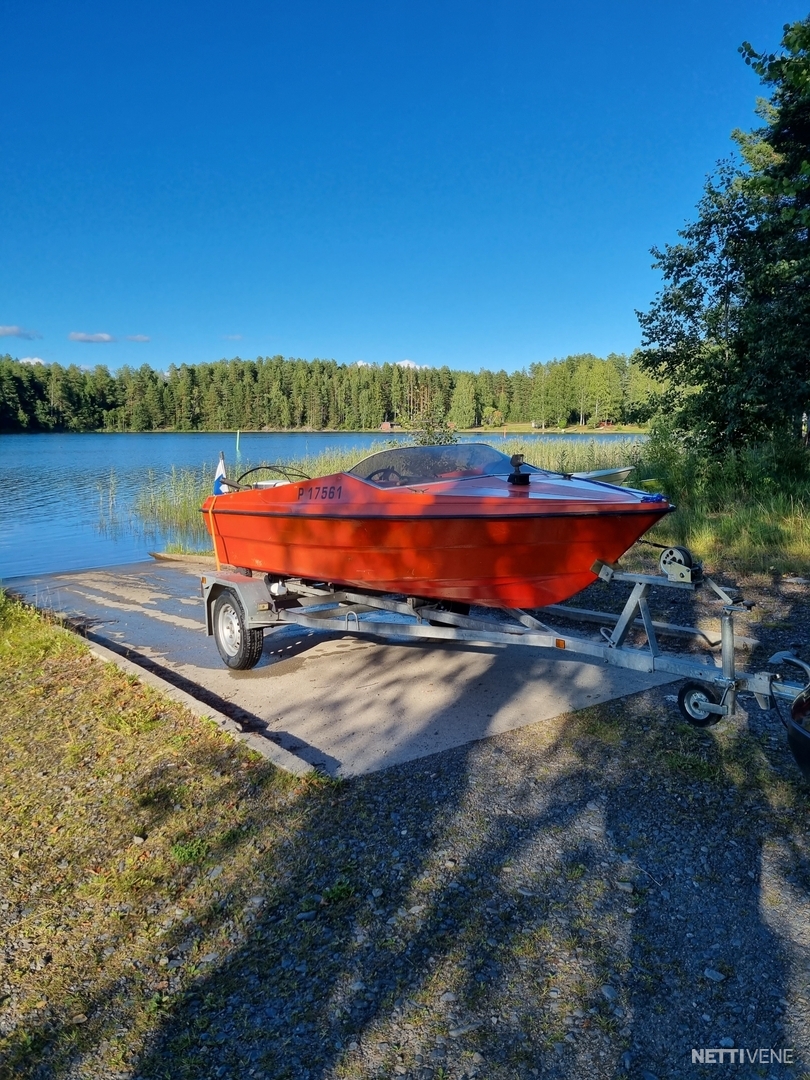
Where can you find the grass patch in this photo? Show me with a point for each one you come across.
(766, 535)
(746, 509)
(593, 724)
(341, 890)
(181, 547)
(693, 765)
(186, 852)
(111, 798)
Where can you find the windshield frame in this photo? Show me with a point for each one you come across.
(403, 466)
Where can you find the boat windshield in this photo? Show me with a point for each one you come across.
(423, 464)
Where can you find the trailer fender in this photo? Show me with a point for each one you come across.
(251, 592)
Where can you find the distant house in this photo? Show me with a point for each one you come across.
(386, 426)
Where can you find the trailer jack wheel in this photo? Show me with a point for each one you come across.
(238, 646)
(692, 699)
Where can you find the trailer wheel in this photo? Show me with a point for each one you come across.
(239, 647)
(692, 697)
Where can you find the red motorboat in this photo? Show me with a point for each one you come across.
(461, 523)
(449, 526)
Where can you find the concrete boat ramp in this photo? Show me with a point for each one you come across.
(344, 704)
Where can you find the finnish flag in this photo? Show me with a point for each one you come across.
(219, 476)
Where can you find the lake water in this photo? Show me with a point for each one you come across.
(67, 500)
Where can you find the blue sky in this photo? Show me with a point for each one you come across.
(472, 184)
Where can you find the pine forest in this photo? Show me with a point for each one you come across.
(273, 393)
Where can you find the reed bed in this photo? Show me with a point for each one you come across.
(171, 503)
(563, 455)
(175, 498)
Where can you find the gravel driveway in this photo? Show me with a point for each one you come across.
(604, 894)
(596, 896)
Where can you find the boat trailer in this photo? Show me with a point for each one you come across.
(240, 606)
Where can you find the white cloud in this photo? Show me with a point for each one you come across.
(91, 339)
(18, 331)
(397, 363)
(31, 360)
(138, 337)
(232, 337)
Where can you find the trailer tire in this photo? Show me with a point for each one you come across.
(692, 696)
(238, 646)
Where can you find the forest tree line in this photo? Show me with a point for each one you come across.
(278, 393)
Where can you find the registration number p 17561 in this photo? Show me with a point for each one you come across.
(320, 492)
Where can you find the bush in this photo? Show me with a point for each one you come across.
(692, 475)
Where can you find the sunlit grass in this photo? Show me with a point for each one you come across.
(116, 805)
(745, 509)
(764, 535)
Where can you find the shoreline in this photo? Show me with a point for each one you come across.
(507, 432)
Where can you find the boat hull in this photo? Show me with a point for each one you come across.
(496, 547)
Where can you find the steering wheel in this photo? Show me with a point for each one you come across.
(289, 474)
(386, 475)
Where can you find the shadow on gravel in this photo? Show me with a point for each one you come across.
(592, 897)
(581, 901)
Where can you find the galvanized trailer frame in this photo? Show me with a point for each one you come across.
(240, 607)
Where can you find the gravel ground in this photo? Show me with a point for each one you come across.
(597, 896)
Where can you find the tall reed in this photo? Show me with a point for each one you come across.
(568, 455)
